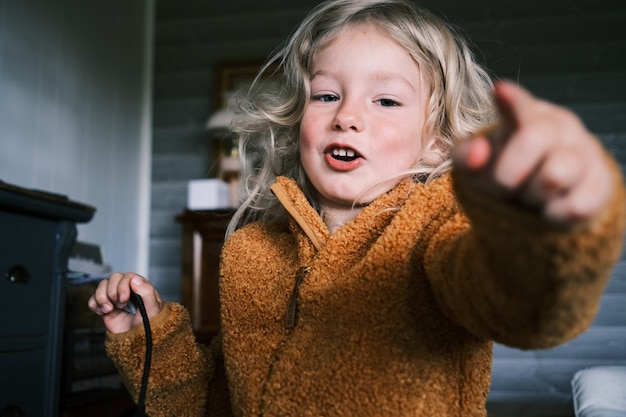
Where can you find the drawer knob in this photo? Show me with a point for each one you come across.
(19, 274)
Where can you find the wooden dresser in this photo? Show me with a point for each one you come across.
(203, 237)
(38, 230)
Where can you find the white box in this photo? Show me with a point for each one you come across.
(207, 194)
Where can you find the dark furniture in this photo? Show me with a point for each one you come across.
(38, 231)
(203, 237)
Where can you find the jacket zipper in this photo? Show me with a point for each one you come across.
(292, 305)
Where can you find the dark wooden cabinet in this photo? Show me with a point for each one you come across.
(38, 231)
(203, 237)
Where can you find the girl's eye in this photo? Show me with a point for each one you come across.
(326, 98)
(387, 102)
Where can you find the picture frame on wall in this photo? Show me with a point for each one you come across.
(232, 78)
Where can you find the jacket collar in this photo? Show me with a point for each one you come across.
(295, 203)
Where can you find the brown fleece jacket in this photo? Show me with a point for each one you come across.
(392, 315)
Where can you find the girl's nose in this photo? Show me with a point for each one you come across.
(349, 116)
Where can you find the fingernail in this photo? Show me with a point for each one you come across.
(137, 281)
(106, 308)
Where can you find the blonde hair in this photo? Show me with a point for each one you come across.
(269, 119)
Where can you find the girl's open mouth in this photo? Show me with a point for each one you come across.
(343, 159)
(344, 154)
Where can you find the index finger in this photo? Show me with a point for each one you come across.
(512, 102)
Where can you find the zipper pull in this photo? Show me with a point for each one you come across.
(292, 306)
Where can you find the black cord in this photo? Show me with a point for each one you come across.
(141, 402)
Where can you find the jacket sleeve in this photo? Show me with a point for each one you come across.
(182, 371)
(507, 276)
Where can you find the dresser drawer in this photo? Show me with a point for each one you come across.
(28, 263)
(23, 382)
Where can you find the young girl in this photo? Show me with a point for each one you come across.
(367, 277)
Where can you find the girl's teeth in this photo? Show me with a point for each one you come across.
(344, 152)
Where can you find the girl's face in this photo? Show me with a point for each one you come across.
(365, 118)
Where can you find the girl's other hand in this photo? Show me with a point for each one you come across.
(114, 294)
(540, 156)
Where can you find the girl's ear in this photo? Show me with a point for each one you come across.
(432, 153)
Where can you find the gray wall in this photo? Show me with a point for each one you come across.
(569, 51)
(75, 83)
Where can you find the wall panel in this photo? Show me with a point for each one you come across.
(74, 112)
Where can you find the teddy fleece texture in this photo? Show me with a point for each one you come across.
(392, 315)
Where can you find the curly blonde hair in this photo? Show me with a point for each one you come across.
(268, 121)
